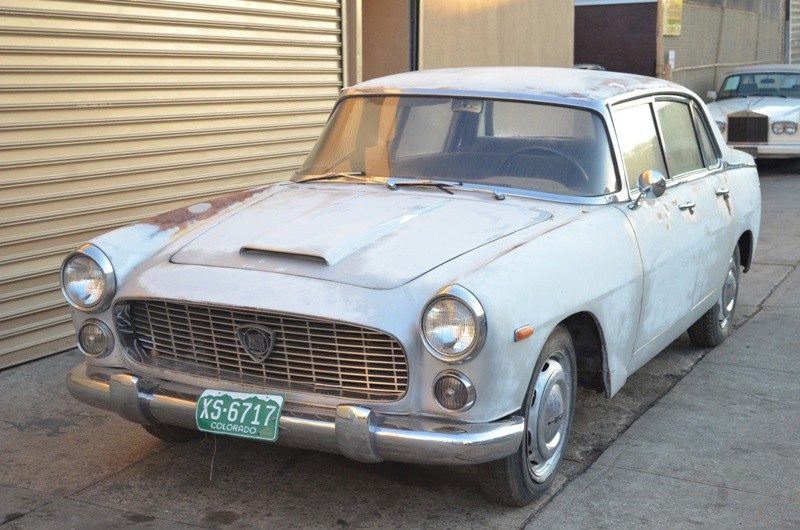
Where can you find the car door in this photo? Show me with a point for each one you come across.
(684, 236)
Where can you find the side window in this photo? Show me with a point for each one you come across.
(680, 141)
(638, 141)
(710, 156)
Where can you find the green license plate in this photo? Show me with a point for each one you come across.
(238, 414)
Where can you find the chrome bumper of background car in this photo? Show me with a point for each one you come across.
(768, 150)
(356, 432)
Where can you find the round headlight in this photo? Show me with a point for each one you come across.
(454, 324)
(790, 128)
(778, 127)
(87, 279)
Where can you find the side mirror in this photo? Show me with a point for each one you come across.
(651, 184)
(711, 95)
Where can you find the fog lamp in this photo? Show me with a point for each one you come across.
(95, 339)
(454, 391)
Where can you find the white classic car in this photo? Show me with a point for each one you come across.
(460, 250)
(757, 109)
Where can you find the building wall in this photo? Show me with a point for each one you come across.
(718, 36)
(113, 111)
(386, 37)
(715, 36)
(495, 32)
(793, 37)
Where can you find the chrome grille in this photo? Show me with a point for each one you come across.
(310, 355)
(748, 129)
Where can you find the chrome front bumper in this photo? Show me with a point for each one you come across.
(353, 431)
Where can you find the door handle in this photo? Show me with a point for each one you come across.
(725, 193)
(688, 206)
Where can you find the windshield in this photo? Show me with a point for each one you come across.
(761, 84)
(512, 144)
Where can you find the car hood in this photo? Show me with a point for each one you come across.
(365, 238)
(776, 108)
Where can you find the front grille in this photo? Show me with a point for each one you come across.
(309, 355)
(751, 129)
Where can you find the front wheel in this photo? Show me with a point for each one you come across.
(713, 328)
(548, 409)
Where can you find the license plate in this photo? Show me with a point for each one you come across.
(239, 414)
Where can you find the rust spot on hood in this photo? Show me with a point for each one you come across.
(181, 217)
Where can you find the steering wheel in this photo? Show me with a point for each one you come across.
(505, 164)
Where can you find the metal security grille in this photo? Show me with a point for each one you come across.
(112, 111)
(752, 129)
(310, 355)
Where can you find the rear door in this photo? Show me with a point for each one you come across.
(684, 236)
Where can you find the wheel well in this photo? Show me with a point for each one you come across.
(746, 250)
(588, 342)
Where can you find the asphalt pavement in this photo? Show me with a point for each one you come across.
(717, 446)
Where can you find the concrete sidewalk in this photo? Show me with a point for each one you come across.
(722, 448)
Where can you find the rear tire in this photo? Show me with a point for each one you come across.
(713, 328)
(172, 434)
(548, 409)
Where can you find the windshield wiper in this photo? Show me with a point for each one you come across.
(443, 185)
(333, 176)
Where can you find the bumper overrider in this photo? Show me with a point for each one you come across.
(353, 431)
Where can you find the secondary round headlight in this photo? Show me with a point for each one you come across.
(87, 279)
(454, 391)
(95, 339)
(778, 127)
(454, 324)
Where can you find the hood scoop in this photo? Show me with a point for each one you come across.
(274, 253)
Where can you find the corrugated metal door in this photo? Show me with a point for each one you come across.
(111, 111)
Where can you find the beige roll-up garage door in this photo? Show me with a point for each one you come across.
(111, 111)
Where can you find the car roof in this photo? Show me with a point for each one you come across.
(766, 69)
(568, 85)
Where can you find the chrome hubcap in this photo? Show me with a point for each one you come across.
(727, 300)
(547, 418)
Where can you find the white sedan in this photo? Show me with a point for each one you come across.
(460, 250)
(757, 108)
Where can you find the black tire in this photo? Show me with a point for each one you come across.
(172, 434)
(716, 324)
(548, 410)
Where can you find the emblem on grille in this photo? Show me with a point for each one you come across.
(257, 341)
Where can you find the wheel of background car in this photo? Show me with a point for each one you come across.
(548, 150)
(170, 433)
(548, 409)
(714, 327)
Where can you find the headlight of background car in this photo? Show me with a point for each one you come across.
(87, 279)
(781, 127)
(454, 324)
